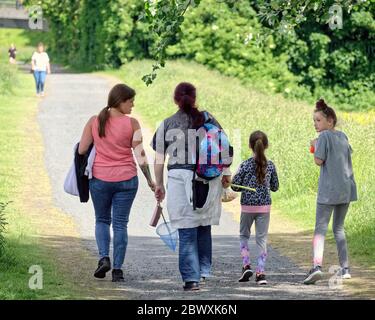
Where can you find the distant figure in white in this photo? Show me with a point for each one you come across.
(40, 66)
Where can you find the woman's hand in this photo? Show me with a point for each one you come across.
(226, 181)
(159, 193)
(152, 185)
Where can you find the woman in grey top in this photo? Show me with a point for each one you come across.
(336, 189)
(176, 137)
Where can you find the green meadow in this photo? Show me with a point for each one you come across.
(289, 126)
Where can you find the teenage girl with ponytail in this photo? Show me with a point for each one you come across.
(260, 174)
(337, 188)
(115, 181)
(176, 137)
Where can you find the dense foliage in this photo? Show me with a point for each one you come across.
(279, 46)
(93, 34)
(307, 62)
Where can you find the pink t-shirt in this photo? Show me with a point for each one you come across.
(114, 159)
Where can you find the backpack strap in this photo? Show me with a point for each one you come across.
(194, 183)
(206, 116)
(195, 173)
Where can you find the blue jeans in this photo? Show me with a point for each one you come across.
(40, 79)
(117, 197)
(195, 253)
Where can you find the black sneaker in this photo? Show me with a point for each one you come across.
(314, 275)
(246, 273)
(117, 275)
(260, 279)
(104, 265)
(191, 286)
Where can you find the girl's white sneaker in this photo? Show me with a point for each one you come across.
(345, 273)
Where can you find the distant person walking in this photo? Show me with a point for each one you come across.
(12, 54)
(40, 66)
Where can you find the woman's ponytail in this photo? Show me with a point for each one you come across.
(259, 143)
(103, 117)
(185, 97)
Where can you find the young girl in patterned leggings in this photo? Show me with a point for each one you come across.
(260, 174)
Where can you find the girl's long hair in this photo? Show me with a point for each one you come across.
(258, 142)
(185, 97)
(119, 93)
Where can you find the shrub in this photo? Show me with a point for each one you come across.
(8, 79)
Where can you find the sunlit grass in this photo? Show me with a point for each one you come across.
(23, 249)
(289, 127)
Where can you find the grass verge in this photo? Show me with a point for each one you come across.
(241, 109)
(23, 247)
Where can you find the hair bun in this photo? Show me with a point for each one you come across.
(321, 105)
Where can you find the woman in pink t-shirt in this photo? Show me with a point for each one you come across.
(115, 182)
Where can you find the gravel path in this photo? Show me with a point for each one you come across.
(151, 270)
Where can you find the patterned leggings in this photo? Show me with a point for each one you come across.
(262, 221)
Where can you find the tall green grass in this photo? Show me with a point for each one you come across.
(290, 128)
(8, 78)
(3, 224)
(22, 248)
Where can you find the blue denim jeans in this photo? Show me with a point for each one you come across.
(195, 253)
(40, 78)
(116, 198)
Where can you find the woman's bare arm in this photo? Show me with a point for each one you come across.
(159, 176)
(86, 138)
(139, 152)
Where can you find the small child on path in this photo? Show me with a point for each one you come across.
(12, 52)
(336, 189)
(259, 173)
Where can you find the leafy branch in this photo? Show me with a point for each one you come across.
(165, 18)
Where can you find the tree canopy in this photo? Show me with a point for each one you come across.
(165, 18)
